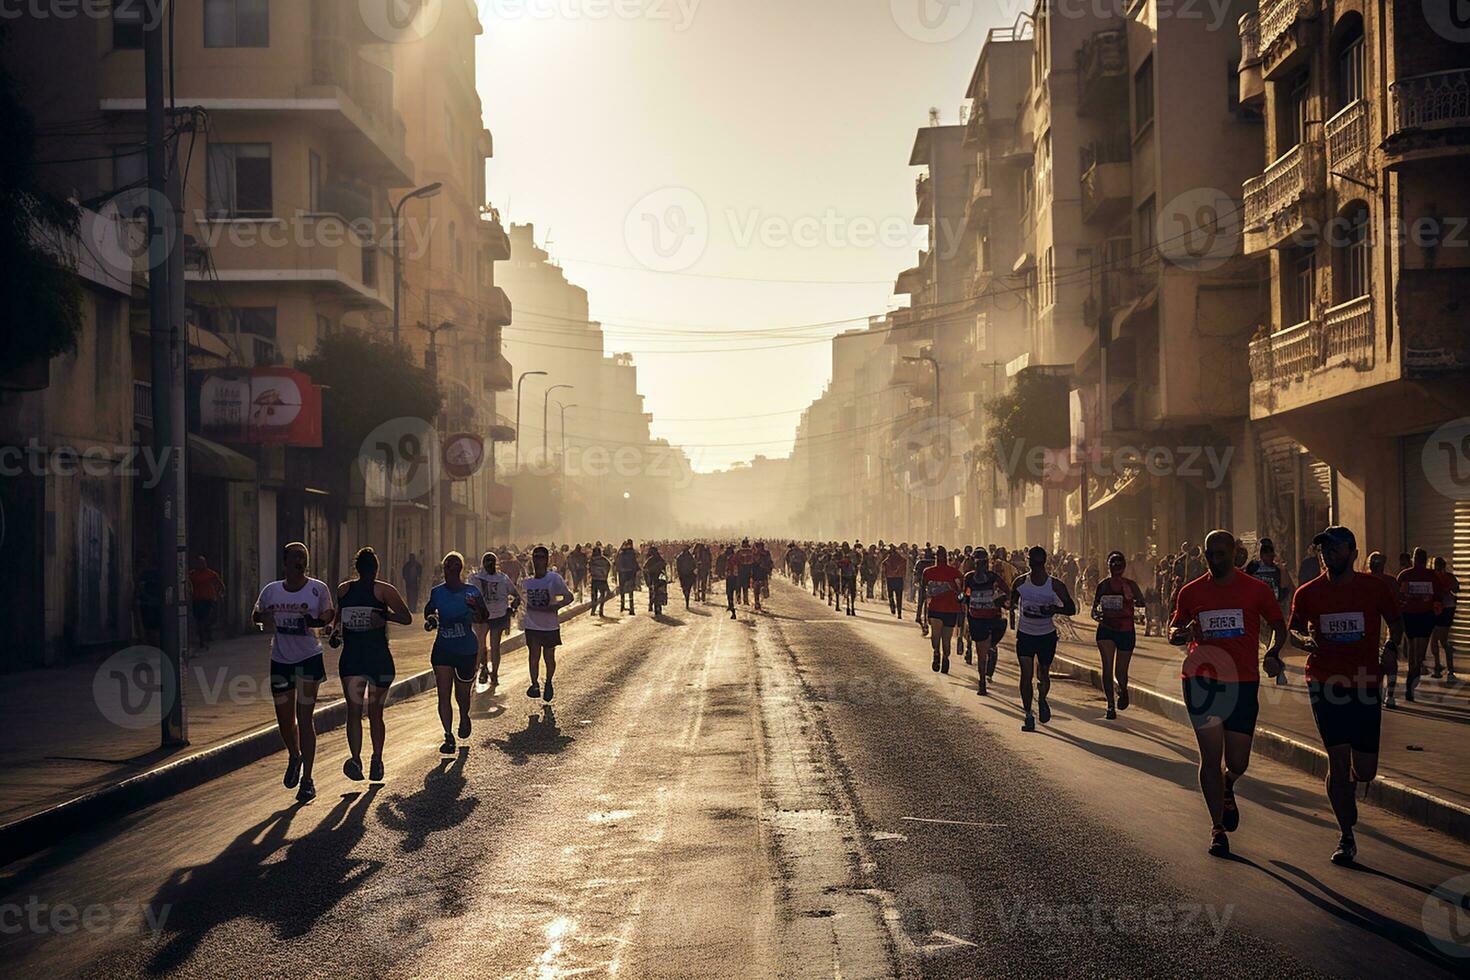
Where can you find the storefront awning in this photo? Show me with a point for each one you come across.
(209, 459)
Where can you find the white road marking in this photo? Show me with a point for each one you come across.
(953, 823)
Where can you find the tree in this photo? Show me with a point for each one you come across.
(1033, 414)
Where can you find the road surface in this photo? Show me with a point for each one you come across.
(790, 794)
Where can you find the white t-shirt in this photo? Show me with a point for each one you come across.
(495, 590)
(294, 641)
(539, 594)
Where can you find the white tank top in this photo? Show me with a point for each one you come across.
(1033, 597)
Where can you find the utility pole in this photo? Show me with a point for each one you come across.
(519, 381)
(546, 413)
(431, 357)
(165, 326)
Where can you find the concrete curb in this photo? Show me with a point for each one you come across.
(40, 830)
(1406, 801)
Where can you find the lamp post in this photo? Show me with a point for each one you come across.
(427, 191)
(522, 378)
(546, 412)
(436, 531)
(563, 409)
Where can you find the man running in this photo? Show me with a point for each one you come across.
(1377, 561)
(939, 605)
(704, 564)
(366, 666)
(894, 564)
(1336, 618)
(687, 568)
(628, 567)
(1447, 588)
(730, 563)
(922, 564)
(760, 573)
(1035, 601)
(545, 594)
(453, 608)
(577, 565)
(293, 607)
(847, 573)
(1113, 604)
(1418, 586)
(745, 556)
(498, 593)
(1218, 616)
(206, 591)
(985, 601)
(870, 570)
(598, 569)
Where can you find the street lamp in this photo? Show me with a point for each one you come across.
(427, 191)
(563, 409)
(431, 356)
(546, 411)
(522, 378)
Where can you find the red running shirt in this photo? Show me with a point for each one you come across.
(943, 584)
(1346, 620)
(1116, 605)
(1418, 588)
(1229, 617)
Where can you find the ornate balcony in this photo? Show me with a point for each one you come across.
(1102, 73)
(1252, 84)
(1308, 362)
(1429, 113)
(1284, 42)
(1276, 202)
(1347, 138)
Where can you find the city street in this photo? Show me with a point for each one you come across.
(792, 794)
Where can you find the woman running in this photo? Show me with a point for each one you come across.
(985, 602)
(367, 606)
(453, 607)
(1112, 607)
(498, 593)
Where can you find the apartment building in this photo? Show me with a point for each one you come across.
(1359, 208)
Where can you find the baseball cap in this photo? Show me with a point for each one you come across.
(1339, 534)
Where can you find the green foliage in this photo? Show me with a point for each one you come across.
(43, 296)
(1035, 412)
(369, 381)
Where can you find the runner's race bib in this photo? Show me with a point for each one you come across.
(357, 618)
(982, 599)
(1034, 610)
(1420, 588)
(938, 589)
(291, 624)
(452, 631)
(1221, 624)
(1341, 627)
(1112, 603)
(538, 598)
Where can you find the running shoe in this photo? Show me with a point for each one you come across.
(352, 769)
(307, 792)
(982, 689)
(1219, 844)
(944, 666)
(375, 769)
(549, 693)
(534, 691)
(1044, 711)
(1232, 812)
(464, 728)
(1390, 702)
(969, 657)
(1347, 850)
(1450, 676)
(1029, 725)
(484, 675)
(1112, 714)
(1122, 697)
(935, 667)
(293, 772)
(448, 747)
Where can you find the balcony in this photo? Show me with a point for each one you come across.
(1252, 83)
(1429, 114)
(1347, 138)
(911, 282)
(1102, 73)
(493, 236)
(976, 123)
(1107, 180)
(1435, 343)
(1276, 203)
(1314, 360)
(924, 197)
(496, 306)
(498, 374)
(1285, 40)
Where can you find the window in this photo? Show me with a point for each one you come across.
(1293, 111)
(1353, 249)
(1351, 72)
(455, 248)
(1048, 278)
(239, 180)
(370, 266)
(1298, 285)
(259, 321)
(127, 23)
(1143, 95)
(314, 176)
(237, 24)
(1146, 237)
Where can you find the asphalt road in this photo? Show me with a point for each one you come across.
(792, 794)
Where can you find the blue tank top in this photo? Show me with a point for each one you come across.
(456, 632)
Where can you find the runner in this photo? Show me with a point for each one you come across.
(760, 572)
(745, 556)
(686, 565)
(939, 605)
(206, 592)
(1418, 588)
(894, 564)
(1448, 588)
(627, 568)
(796, 562)
(1269, 571)
(366, 666)
(985, 602)
(1037, 599)
(498, 593)
(847, 574)
(656, 575)
(577, 564)
(1218, 616)
(1377, 561)
(1117, 636)
(921, 564)
(731, 565)
(545, 593)
(704, 563)
(599, 568)
(453, 608)
(1336, 619)
(870, 570)
(293, 607)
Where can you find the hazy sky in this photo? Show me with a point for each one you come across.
(722, 165)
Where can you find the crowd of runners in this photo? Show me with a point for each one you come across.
(1356, 626)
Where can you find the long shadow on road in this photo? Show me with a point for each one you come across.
(541, 736)
(440, 805)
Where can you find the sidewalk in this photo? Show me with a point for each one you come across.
(1425, 745)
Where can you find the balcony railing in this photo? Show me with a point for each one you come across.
(1347, 136)
(1439, 100)
(1343, 337)
(1347, 333)
(142, 402)
(1296, 175)
(1250, 39)
(1277, 16)
(1102, 55)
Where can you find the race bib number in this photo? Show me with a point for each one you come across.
(452, 631)
(490, 591)
(291, 624)
(982, 599)
(1112, 603)
(357, 618)
(1034, 610)
(1221, 624)
(938, 589)
(1420, 588)
(538, 598)
(1342, 627)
